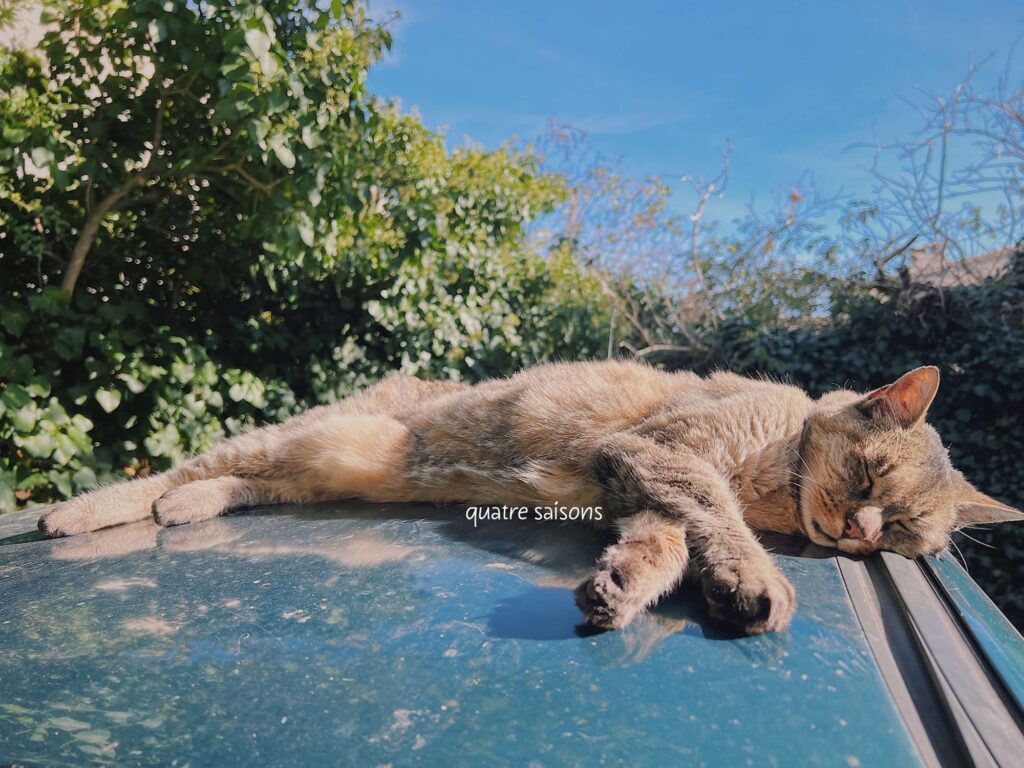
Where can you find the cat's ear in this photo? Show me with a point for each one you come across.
(975, 508)
(906, 400)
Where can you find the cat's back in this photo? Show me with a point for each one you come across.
(546, 411)
(581, 399)
(724, 384)
(611, 390)
(727, 418)
(562, 410)
(724, 415)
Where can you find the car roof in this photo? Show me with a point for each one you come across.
(397, 634)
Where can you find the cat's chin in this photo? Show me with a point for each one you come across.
(850, 546)
(856, 546)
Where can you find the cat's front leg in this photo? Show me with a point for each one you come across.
(740, 580)
(647, 561)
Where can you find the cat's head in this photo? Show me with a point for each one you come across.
(873, 475)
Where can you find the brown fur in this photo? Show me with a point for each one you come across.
(687, 467)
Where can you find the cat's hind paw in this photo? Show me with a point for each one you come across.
(191, 503)
(176, 508)
(67, 519)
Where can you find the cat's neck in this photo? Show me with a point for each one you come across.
(768, 483)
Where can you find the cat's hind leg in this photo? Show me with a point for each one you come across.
(132, 500)
(110, 505)
(338, 456)
(206, 499)
(325, 454)
(647, 562)
(347, 456)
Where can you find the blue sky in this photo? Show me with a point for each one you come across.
(663, 84)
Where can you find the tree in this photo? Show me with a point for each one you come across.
(241, 230)
(953, 189)
(140, 105)
(674, 277)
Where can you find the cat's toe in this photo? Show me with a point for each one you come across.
(190, 503)
(604, 601)
(169, 510)
(755, 600)
(66, 519)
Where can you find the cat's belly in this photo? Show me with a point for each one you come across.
(534, 483)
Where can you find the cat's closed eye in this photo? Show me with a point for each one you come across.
(865, 483)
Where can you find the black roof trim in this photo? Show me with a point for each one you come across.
(953, 703)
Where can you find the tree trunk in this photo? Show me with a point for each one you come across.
(90, 229)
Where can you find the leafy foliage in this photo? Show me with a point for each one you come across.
(134, 107)
(879, 330)
(94, 390)
(266, 235)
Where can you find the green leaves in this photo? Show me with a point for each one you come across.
(246, 388)
(128, 404)
(166, 441)
(283, 152)
(42, 435)
(234, 93)
(14, 321)
(157, 30)
(258, 42)
(24, 419)
(293, 239)
(305, 228)
(42, 157)
(108, 399)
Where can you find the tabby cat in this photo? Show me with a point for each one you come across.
(686, 468)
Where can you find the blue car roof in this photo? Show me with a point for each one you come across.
(348, 634)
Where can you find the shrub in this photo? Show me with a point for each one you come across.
(206, 221)
(974, 333)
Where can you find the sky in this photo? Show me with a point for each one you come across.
(663, 85)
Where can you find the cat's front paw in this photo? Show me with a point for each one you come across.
(604, 600)
(753, 596)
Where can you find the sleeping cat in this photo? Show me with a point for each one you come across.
(686, 467)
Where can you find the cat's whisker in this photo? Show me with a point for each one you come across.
(803, 476)
(975, 527)
(804, 462)
(963, 560)
(976, 541)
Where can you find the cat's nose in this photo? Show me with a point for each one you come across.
(853, 529)
(864, 524)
